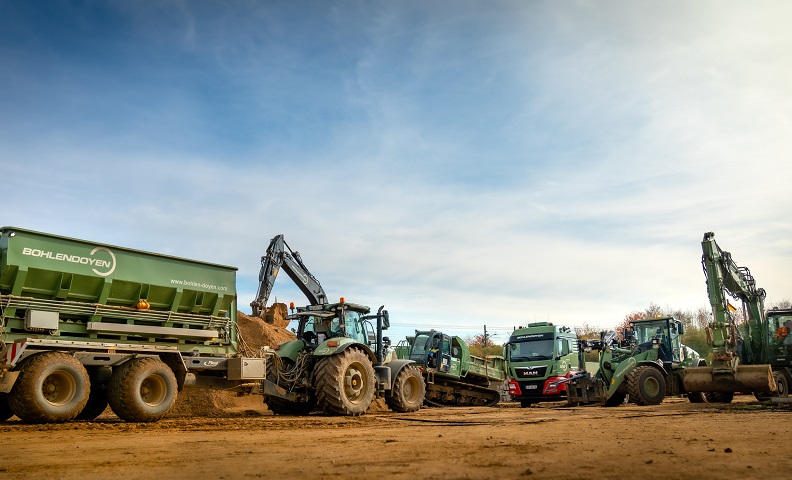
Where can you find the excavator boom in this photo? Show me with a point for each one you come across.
(281, 256)
(734, 357)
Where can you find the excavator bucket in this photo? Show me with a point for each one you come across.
(746, 379)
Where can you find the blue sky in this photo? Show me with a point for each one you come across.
(464, 163)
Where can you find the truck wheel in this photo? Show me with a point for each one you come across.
(646, 386)
(408, 390)
(51, 387)
(279, 406)
(142, 390)
(5, 409)
(344, 383)
(97, 400)
(720, 397)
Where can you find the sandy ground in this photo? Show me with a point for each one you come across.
(674, 440)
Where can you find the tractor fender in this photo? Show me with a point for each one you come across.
(342, 343)
(290, 349)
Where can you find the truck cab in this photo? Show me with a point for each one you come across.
(538, 357)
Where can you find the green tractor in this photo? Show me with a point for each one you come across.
(644, 367)
(331, 366)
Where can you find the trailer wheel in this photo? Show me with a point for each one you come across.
(142, 390)
(720, 397)
(345, 383)
(646, 386)
(51, 387)
(279, 406)
(5, 409)
(97, 400)
(408, 390)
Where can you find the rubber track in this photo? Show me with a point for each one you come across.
(491, 396)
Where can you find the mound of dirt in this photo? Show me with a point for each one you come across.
(255, 332)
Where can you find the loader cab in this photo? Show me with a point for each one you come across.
(660, 333)
(432, 350)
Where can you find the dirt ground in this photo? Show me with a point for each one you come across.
(243, 440)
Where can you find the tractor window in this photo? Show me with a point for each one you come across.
(531, 350)
(354, 327)
(419, 347)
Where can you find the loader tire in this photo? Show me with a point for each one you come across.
(697, 397)
(5, 409)
(142, 390)
(279, 406)
(646, 385)
(97, 400)
(409, 391)
(52, 387)
(345, 383)
(720, 397)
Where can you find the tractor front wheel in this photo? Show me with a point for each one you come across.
(408, 390)
(345, 383)
(646, 385)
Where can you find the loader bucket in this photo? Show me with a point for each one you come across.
(747, 379)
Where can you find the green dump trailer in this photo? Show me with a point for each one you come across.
(453, 376)
(84, 324)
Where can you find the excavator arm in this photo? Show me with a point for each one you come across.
(281, 256)
(734, 357)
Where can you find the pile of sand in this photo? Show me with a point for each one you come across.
(254, 333)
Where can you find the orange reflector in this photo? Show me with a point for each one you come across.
(332, 343)
(276, 347)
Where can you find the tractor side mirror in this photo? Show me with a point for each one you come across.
(681, 328)
(385, 320)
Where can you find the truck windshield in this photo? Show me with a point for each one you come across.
(530, 350)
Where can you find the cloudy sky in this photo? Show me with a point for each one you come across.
(464, 163)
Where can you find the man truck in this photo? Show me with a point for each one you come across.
(538, 357)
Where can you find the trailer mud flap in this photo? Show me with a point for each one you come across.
(746, 379)
(7, 380)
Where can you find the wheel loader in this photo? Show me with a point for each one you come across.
(643, 367)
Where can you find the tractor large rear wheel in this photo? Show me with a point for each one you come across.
(408, 390)
(646, 385)
(345, 383)
(51, 387)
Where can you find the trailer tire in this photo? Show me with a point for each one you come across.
(646, 385)
(345, 383)
(409, 391)
(720, 397)
(279, 406)
(5, 409)
(97, 399)
(142, 390)
(52, 387)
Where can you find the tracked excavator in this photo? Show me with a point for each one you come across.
(739, 353)
(333, 365)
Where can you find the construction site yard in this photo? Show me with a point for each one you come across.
(242, 440)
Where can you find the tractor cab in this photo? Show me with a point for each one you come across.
(318, 323)
(432, 350)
